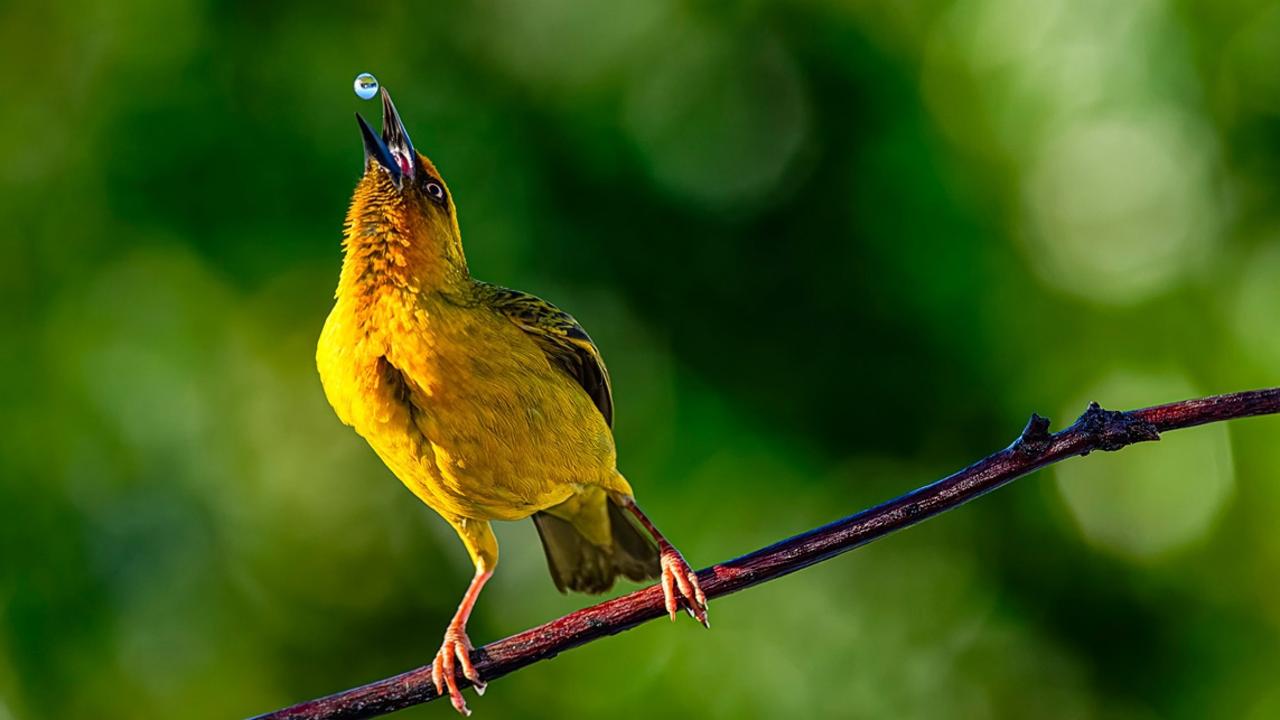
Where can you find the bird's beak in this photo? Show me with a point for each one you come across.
(392, 150)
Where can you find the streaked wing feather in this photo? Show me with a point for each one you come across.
(566, 344)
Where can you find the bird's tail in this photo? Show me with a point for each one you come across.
(590, 541)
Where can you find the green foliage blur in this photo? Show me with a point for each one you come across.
(831, 250)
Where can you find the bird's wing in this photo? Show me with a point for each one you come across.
(566, 344)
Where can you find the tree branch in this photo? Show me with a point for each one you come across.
(1096, 429)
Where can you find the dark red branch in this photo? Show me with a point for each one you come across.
(1096, 429)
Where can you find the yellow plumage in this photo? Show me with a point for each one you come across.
(455, 395)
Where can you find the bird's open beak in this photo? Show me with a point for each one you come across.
(392, 150)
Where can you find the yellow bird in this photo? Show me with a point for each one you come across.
(487, 403)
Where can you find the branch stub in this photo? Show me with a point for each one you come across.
(1113, 429)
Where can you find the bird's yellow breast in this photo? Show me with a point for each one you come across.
(461, 404)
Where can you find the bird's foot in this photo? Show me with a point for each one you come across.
(678, 577)
(455, 651)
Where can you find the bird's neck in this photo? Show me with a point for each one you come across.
(385, 256)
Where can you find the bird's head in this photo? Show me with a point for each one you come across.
(402, 195)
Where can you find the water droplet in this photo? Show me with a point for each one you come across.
(366, 86)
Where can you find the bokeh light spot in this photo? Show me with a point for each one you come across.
(568, 49)
(719, 122)
(1151, 498)
(1257, 305)
(1121, 208)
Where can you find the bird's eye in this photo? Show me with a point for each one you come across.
(436, 191)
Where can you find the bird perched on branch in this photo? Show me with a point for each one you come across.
(487, 403)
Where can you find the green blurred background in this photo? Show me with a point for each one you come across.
(831, 250)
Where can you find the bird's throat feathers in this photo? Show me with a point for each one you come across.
(397, 243)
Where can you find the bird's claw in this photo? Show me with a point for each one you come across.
(455, 652)
(680, 588)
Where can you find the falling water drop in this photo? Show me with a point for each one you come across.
(366, 86)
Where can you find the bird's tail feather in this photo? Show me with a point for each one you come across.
(578, 564)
